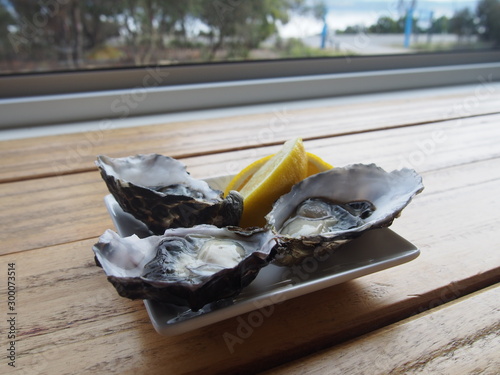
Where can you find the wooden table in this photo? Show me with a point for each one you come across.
(439, 313)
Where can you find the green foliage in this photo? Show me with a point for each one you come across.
(319, 10)
(441, 25)
(488, 13)
(6, 21)
(71, 34)
(67, 33)
(462, 23)
(241, 25)
(386, 25)
(295, 48)
(352, 30)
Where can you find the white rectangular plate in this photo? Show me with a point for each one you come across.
(374, 251)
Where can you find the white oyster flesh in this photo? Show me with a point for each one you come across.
(344, 200)
(193, 254)
(319, 216)
(298, 226)
(226, 254)
(205, 256)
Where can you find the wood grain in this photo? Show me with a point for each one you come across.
(72, 321)
(63, 154)
(80, 320)
(462, 337)
(76, 210)
(46, 211)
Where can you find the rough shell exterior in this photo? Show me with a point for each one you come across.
(136, 181)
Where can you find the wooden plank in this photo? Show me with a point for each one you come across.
(76, 210)
(70, 316)
(53, 210)
(462, 337)
(423, 148)
(72, 319)
(63, 154)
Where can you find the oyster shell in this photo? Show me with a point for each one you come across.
(158, 191)
(185, 266)
(330, 208)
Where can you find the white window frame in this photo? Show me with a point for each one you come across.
(68, 97)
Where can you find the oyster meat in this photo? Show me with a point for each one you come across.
(330, 208)
(185, 266)
(158, 191)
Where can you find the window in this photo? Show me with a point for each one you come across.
(193, 47)
(61, 35)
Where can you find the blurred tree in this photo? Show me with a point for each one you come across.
(100, 21)
(240, 26)
(462, 23)
(148, 23)
(319, 10)
(6, 21)
(59, 34)
(488, 12)
(441, 25)
(49, 35)
(41, 32)
(386, 25)
(352, 30)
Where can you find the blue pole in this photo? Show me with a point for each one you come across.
(323, 36)
(324, 32)
(408, 27)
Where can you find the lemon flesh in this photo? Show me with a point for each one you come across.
(316, 165)
(274, 178)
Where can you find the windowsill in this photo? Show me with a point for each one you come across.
(111, 105)
(185, 116)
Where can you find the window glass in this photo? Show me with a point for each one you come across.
(62, 35)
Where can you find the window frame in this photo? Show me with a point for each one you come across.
(62, 97)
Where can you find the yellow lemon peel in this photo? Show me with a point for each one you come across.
(265, 180)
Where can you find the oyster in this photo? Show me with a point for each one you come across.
(185, 266)
(330, 208)
(158, 191)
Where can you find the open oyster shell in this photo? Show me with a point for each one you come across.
(158, 191)
(330, 208)
(185, 266)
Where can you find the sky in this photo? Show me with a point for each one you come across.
(343, 13)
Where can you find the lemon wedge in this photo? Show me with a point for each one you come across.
(242, 178)
(272, 179)
(314, 165)
(265, 180)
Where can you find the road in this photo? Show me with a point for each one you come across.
(375, 44)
